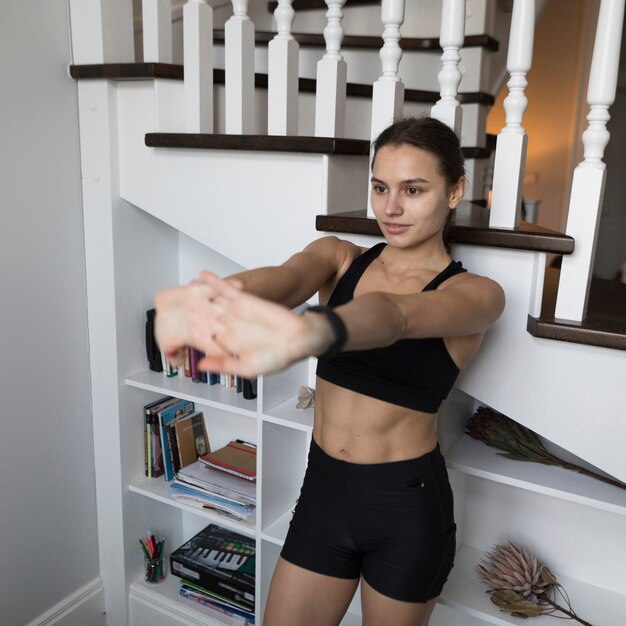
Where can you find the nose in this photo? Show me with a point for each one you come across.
(392, 205)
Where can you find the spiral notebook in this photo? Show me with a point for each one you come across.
(237, 458)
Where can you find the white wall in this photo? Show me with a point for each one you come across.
(48, 539)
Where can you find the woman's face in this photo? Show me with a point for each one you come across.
(409, 195)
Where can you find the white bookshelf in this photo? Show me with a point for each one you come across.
(475, 458)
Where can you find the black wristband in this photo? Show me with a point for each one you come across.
(340, 333)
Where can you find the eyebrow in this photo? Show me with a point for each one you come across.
(408, 181)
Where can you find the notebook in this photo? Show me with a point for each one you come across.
(237, 458)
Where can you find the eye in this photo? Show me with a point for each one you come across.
(379, 188)
(412, 191)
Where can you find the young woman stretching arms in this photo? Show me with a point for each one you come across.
(401, 319)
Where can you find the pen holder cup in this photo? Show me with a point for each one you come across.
(155, 570)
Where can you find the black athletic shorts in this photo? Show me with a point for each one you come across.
(392, 523)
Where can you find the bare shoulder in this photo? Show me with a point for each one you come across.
(339, 253)
(482, 291)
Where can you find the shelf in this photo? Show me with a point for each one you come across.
(277, 531)
(182, 387)
(286, 414)
(158, 489)
(475, 458)
(166, 595)
(466, 593)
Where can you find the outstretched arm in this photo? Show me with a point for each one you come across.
(189, 315)
(254, 336)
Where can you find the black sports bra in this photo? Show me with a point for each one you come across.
(413, 373)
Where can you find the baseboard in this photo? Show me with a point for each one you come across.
(83, 607)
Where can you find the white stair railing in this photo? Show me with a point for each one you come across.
(388, 91)
(102, 31)
(510, 161)
(157, 31)
(239, 69)
(589, 176)
(198, 53)
(330, 95)
(282, 70)
(448, 109)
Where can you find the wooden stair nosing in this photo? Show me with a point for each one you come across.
(266, 143)
(605, 323)
(305, 5)
(470, 226)
(141, 71)
(370, 41)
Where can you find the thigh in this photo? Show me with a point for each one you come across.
(299, 597)
(380, 610)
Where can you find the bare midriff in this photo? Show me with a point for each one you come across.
(359, 429)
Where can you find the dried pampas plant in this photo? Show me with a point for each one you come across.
(519, 443)
(306, 398)
(520, 584)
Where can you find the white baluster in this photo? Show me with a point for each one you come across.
(157, 31)
(239, 66)
(589, 177)
(448, 110)
(282, 91)
(102, 31)
(330, 97)
(388, 92)
(508, 176)
(198, 54)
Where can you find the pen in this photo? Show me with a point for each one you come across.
(246, 443)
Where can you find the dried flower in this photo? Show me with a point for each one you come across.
(520, 584)
(520, 443)
(306, 398)
(513, 568)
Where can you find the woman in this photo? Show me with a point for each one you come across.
(402, 320)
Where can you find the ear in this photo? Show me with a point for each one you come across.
(456, 193)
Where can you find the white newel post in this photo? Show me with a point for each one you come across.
(448, 109)
(102, 31)
(282, 91)
(508, 175)
(157, 31)
(388, 91)
(198, 56)
(330, 94)
(239, 68)
(589, 176)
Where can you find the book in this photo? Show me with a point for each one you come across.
(200, 498)
(221, 561)
(165, 416)
(150, 411)
(237, 458)
(191, 437)
(214, 600)
(220, 483)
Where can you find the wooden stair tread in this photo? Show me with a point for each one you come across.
(269, 143)
(275, 143)
(470, 225)
(304, 5)
(604, 325)
(370, 41)
(146, 71)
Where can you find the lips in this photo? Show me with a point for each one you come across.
(395, 229)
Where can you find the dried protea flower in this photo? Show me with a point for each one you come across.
(521, 584)
(511, 567)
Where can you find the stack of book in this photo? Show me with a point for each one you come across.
(217, 568)
(175, 436)
(224, 480)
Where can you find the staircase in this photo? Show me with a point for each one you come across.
(244, 200)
